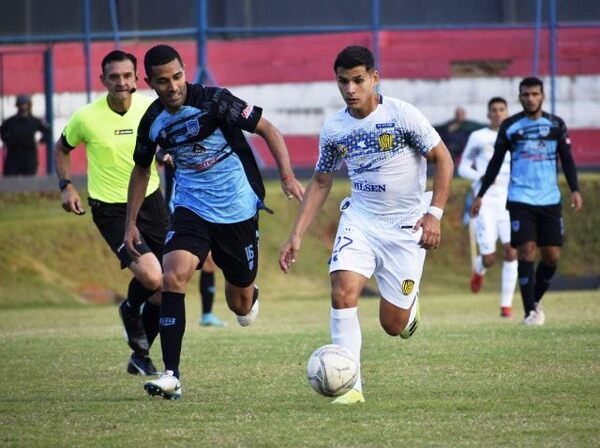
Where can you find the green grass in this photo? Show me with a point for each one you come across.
(467, 378)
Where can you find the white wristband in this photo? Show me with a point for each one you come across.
(436, 211)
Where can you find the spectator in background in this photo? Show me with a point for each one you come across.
(455, 132)
(19, 136)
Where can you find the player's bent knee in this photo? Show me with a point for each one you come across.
(175, 281)
(393, 326)
(489, 260)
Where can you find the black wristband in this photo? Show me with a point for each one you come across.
(62, 183)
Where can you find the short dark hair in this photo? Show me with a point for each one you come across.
(354, 56)
(118, 56)
(496, 99)
(160, 55)
(531, 81)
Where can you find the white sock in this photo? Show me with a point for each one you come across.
(509, 281)
(479, 267)
(345, 331)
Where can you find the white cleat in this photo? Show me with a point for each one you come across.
(541, 317)
(246, 320)
(534, 319)
(167, 386)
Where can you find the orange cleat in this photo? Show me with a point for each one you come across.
(506, 311)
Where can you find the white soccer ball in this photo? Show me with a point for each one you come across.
(332, 370)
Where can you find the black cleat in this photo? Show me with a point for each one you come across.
(132, 321)
(141, 365)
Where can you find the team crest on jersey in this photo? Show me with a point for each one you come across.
(407, 286)
(544, 131)
(386, 141)
(516, 225)
(193, 126)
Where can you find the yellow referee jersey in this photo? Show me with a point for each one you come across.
(109, 140)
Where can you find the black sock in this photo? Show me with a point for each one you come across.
(137, 294)
(172, 328)
(150, 317)
(543, 278)
(207, 291)
(526, 282)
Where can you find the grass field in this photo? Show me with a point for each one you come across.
(466, 379)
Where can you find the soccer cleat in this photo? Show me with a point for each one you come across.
(167, 386)
(132, 322)
(506, 311)
(412, 327)
(210, 320)
(246, 320)
(533, 319)
(141, 365)
(476, 282)
(351, 397)
(541, 317)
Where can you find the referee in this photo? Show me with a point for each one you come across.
(108, 127)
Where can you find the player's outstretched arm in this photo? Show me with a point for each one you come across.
(138, 183)
(289, 184)
(430, 223)
(71, 201)
(316, 193)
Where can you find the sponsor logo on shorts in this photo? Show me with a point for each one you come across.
(386, 141)
(169, 236)
(167, 321)
(515, 225)
(193, 126)
(247, 111)
(123, 131)
(407, 286)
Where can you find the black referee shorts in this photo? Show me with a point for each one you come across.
(234, 246)
(152, 222)
(540, 223)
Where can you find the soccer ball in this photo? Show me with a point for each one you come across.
(332, 370)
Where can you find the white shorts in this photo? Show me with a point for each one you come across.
(387, 248)
(493, 222)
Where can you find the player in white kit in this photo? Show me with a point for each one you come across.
(493, 221)
(384, 229)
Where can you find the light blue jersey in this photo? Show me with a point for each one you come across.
(535, 147)
(205, 140)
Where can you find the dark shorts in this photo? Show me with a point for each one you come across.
(234, 246)
(540, 223)
(152, 222)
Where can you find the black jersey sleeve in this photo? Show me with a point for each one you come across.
(500, 147)
(566, 158)
(231, 110)
(145, 146)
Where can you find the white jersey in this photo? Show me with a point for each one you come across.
(384, 153)
(475, 159)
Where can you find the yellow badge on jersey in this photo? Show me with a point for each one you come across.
(407, 286)
(386, 141)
